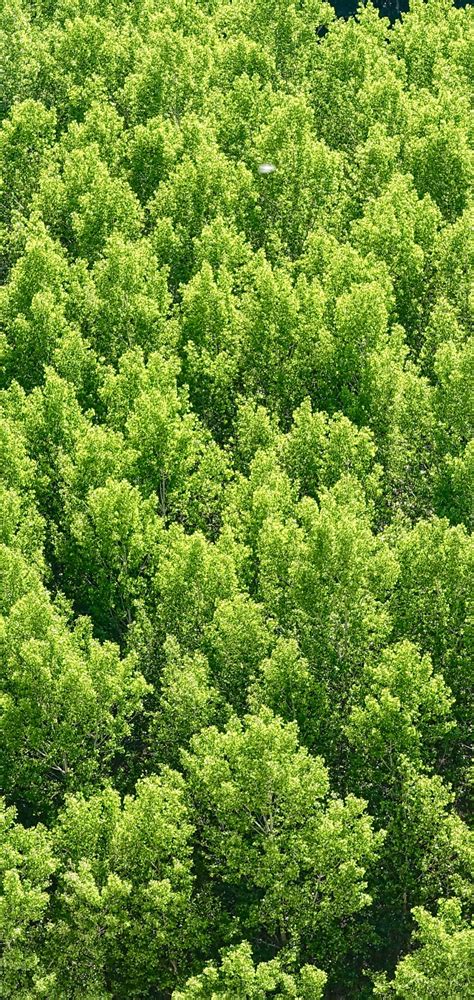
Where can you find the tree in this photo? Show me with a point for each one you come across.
(122, 915)
(32, 305)
(427, 853)
(236, 462)
(237, 639)
(293, 860)
(318, 451)
(204, 185)
(110, 544)
(132, 299)
(429, 606)
(26, 138)
(400, 228)
(189, 702)
(82, 203)
(27, 866)
(67, 701)
(210, 335)
(441, 964)
(239, 976)
(405, 711)
(306, 185)
(338, 580)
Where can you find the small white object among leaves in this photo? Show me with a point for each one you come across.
(266, 168)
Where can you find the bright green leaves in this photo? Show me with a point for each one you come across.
(26, 137)
(151, 152)
(428, 850)
(132, 299)
(431, 602)
(238, 976)
(170, 77)
(21, 52)
(85, 935)
(296, 864)
(404, 711)
(441, 965)
(454, 369)
(165, 441)
(425, 40)
(306, 184)
(188, 702)
(286, 684)
(151, 838)
(354, 68)
(192, 576)
(318, 451)
(124, 888)
(237, 640)
(26, 869)
(431, 605)
(102, 127)
(360, 330)
(32, 307)
(271, 310)
(110, 550)
(174, 457)
(235, 404)
(400, 229)
(67, 704)
(88, 60)
(82, 203)
(210, 334)
(441, 160)
(281, 29)
(205, 184)
(22, 528)
(340, 575)
(337, 581)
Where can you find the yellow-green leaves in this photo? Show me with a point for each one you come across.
(296, 863)
(236, 467)
(67, 704)
(441, 964)
(27, 866)
(238, 975)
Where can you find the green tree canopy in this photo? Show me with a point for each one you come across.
(236, 500)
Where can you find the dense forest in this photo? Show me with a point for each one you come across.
(237, 470)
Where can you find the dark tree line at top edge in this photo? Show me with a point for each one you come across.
(392, 9)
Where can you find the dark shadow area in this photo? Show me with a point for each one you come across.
(391, 8)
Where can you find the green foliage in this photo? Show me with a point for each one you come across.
(27, 865)
(188, 702)
(404, 709)
(124, 887)
(441, 966)
(238, 976)
(265, 831)
(67, 702)
(236, 495)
